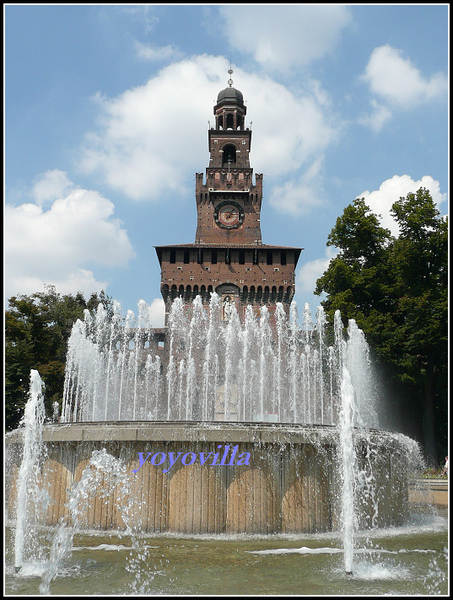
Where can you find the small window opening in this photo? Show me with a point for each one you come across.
(229, 156)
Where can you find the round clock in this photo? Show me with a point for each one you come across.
(229, 214)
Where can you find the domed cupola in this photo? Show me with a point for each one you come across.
(230, 110)
(230, 95)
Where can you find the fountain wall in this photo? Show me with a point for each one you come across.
(296, 399)
(290, 484)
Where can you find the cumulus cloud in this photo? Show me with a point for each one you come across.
(396, 79)
(380, 201)
(311, 271)
(398, 84)
(50, 186)
(156, 313)
(299, 196)
(281, 39)
(57, 245)
(151, 139)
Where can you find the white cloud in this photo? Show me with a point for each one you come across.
(280, 37)
(56, 246)
(157, 54)
(50, 186)
(378, 118)
(289, 137)
(398, 81)
(297, 197)
(380, 201)
(311, 271)
(156, 313)
(152, 139)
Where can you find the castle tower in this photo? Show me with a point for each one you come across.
(228, 255)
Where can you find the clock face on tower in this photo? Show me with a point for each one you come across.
(229, 214)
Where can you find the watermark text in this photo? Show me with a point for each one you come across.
(212, 459)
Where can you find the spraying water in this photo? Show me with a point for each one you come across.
(348, 467)
(104, 475)
(269, 368)
(28, 490)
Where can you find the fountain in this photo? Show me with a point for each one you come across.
(149, 437)
(263, 371)
(28, 491)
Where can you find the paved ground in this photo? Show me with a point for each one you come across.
(430, 491)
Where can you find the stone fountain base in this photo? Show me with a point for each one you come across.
(290, 484)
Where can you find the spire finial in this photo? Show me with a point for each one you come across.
(230, 72)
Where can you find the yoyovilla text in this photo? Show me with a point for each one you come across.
(211, 459)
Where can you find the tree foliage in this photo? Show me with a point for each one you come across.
(396, 288)
(37, 329)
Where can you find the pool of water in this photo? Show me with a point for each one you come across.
(410, 560)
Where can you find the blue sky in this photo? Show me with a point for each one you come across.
(106, 118)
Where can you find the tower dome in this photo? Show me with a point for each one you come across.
(230, 109)
(230, 94)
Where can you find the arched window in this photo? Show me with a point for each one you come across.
(229, 155)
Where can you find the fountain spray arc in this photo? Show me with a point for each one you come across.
(28, 491)
(264, 370)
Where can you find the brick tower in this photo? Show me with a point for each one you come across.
(228, 255)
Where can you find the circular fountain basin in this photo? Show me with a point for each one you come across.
(267, 478)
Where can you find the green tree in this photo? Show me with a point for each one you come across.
(396, 290)
(37, 329)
